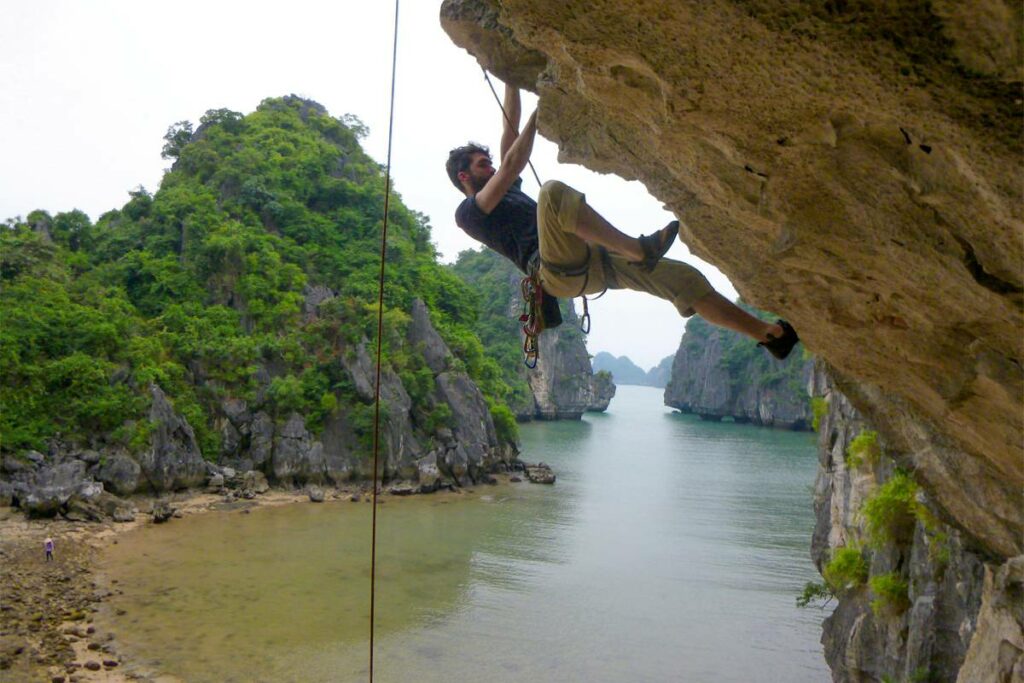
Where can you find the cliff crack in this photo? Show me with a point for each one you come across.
(981, 276)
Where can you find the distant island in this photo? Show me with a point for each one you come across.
(625, 371)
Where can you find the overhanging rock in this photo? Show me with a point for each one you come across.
(853, 167)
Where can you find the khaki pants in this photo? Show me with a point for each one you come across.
(558, 207)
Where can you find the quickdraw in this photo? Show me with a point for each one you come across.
(532, 318)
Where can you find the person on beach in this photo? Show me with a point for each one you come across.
(48, 547)
(572, 249)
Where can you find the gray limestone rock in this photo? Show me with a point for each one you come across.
(297, 457)
(255, 482)
(52, 486)
(261, 443)
(424, 338)
(602, 391)
(427, 472)
(717, 373)
(944, 577)
(540, 474)
(173, 460)
(89, 457)
(315, 493)
(162, 511)
(12, 465)
(455, 464)
(236, 410)
(471, 419)
(401, 447)
(361, 369)
(119, 472)
(996, 651)
(340, 446)
(230, 438)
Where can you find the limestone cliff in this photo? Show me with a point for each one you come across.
(717, 373)
(449, 436)
(853, 167)
(923, 604)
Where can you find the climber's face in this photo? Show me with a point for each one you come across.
(481, 169)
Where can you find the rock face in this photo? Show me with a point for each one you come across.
(603, 392)
(717, 373)
(173, 460)
(851, 167)
(958, 610)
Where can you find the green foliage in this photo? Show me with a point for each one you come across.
(198, 287)
(846, 570)
(819, 408)
(813, 592)
(890, 513)
(891, 596)
(863, 448)
(176, 138)
(920, 675)
(504, 421)
(440, 416)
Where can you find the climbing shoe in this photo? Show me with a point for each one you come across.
(781, 346)
(656, 245)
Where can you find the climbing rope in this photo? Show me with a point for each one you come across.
(508, 120)
(380, 338)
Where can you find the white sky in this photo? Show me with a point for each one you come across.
(89, 89)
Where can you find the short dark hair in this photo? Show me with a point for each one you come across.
(460, 158)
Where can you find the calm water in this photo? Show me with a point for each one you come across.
(669, 550)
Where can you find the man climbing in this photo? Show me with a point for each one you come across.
(575, 251)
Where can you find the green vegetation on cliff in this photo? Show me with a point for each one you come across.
(201, 286)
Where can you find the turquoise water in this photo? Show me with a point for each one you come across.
(668, 550)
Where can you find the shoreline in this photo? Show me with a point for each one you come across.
(48, 609)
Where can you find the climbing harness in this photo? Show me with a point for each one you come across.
(534, 317)
(380, 337)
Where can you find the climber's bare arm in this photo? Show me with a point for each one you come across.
(512, 165)
(510, 121)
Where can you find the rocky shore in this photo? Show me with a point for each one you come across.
(48, 609)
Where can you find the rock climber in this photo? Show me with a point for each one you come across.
(572, 248)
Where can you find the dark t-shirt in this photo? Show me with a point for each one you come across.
(510, 229)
